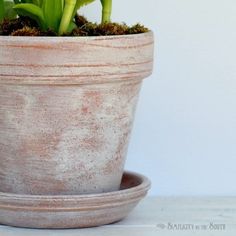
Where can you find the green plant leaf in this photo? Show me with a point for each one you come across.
(2, 10)
(39, 2)
(36, 2)
(10, 13)
(52, 10)
(67, 16)
(27, 1)
(32, 11)
(106, 10)
(72, 26)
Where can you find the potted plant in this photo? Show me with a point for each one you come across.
(66, 103)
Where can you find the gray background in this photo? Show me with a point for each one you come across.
(184, 132)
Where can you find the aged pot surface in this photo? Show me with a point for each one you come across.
(75, 211)
(66, 111)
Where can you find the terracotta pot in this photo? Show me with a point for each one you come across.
(66, 111)
(73, 211)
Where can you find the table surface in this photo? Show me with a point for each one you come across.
(165, 216)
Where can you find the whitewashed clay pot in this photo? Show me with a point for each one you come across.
(66, 111)
(73, 211)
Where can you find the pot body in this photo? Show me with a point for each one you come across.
(66, 111)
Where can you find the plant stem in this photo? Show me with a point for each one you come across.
(67, 16)
(106, 11)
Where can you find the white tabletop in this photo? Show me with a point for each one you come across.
(159, 216)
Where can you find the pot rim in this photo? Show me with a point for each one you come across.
(76, 60)
(143, 185)
(72, 38)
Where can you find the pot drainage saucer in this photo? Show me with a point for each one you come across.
(73, 211)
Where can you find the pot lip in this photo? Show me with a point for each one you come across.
(73, 38)
(138, 47)
(143, 186)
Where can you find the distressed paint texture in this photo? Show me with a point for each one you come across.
(73, 211)
(66, 111)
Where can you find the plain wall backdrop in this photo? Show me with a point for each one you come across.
(184, 136)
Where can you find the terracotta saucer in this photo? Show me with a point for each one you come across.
(73, 211)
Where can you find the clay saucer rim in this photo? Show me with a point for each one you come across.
(82, 202)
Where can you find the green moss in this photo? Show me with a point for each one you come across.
(7, 27)
(26, 31)
(80, 20)
(112, 29)
(24, 26)
(85, 28)
(88, 29)
(137, 29)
